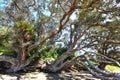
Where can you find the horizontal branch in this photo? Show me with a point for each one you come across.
(106, 73)
(115, 61)
(11, 60)
(112, 41)
(98, 75)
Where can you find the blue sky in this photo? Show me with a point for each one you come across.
(2, 4)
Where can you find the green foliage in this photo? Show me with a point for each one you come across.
(82, 14)
(112, 68)
(93, 62)
(1, 50)
(24, 25)
(5, 37)
(52, 53)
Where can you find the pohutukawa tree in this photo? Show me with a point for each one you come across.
(88, 26)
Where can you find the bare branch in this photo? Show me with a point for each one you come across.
(99, 70)
(61, 6)
(115, 61)
(110, 59)
(63, 22)
(15, 2)
(111, 41)
(93, 72)
(11, 60)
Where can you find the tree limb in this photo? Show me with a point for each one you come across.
(11, 60)
(101, 71)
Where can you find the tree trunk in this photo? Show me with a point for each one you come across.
(60, 60)
(22, 55)
(62, 65)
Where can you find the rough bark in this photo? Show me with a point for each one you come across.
(94, 70)
(63, 65)
(105, 73)
(11, 60)
(96, 74)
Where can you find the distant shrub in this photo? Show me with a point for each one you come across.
(52, 53)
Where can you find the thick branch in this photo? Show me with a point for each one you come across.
(11, 60)
(101, 71)
(63, 22)
(64, 65)
(93, 72)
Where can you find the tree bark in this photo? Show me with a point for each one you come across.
(105, 73)
(11, 60)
